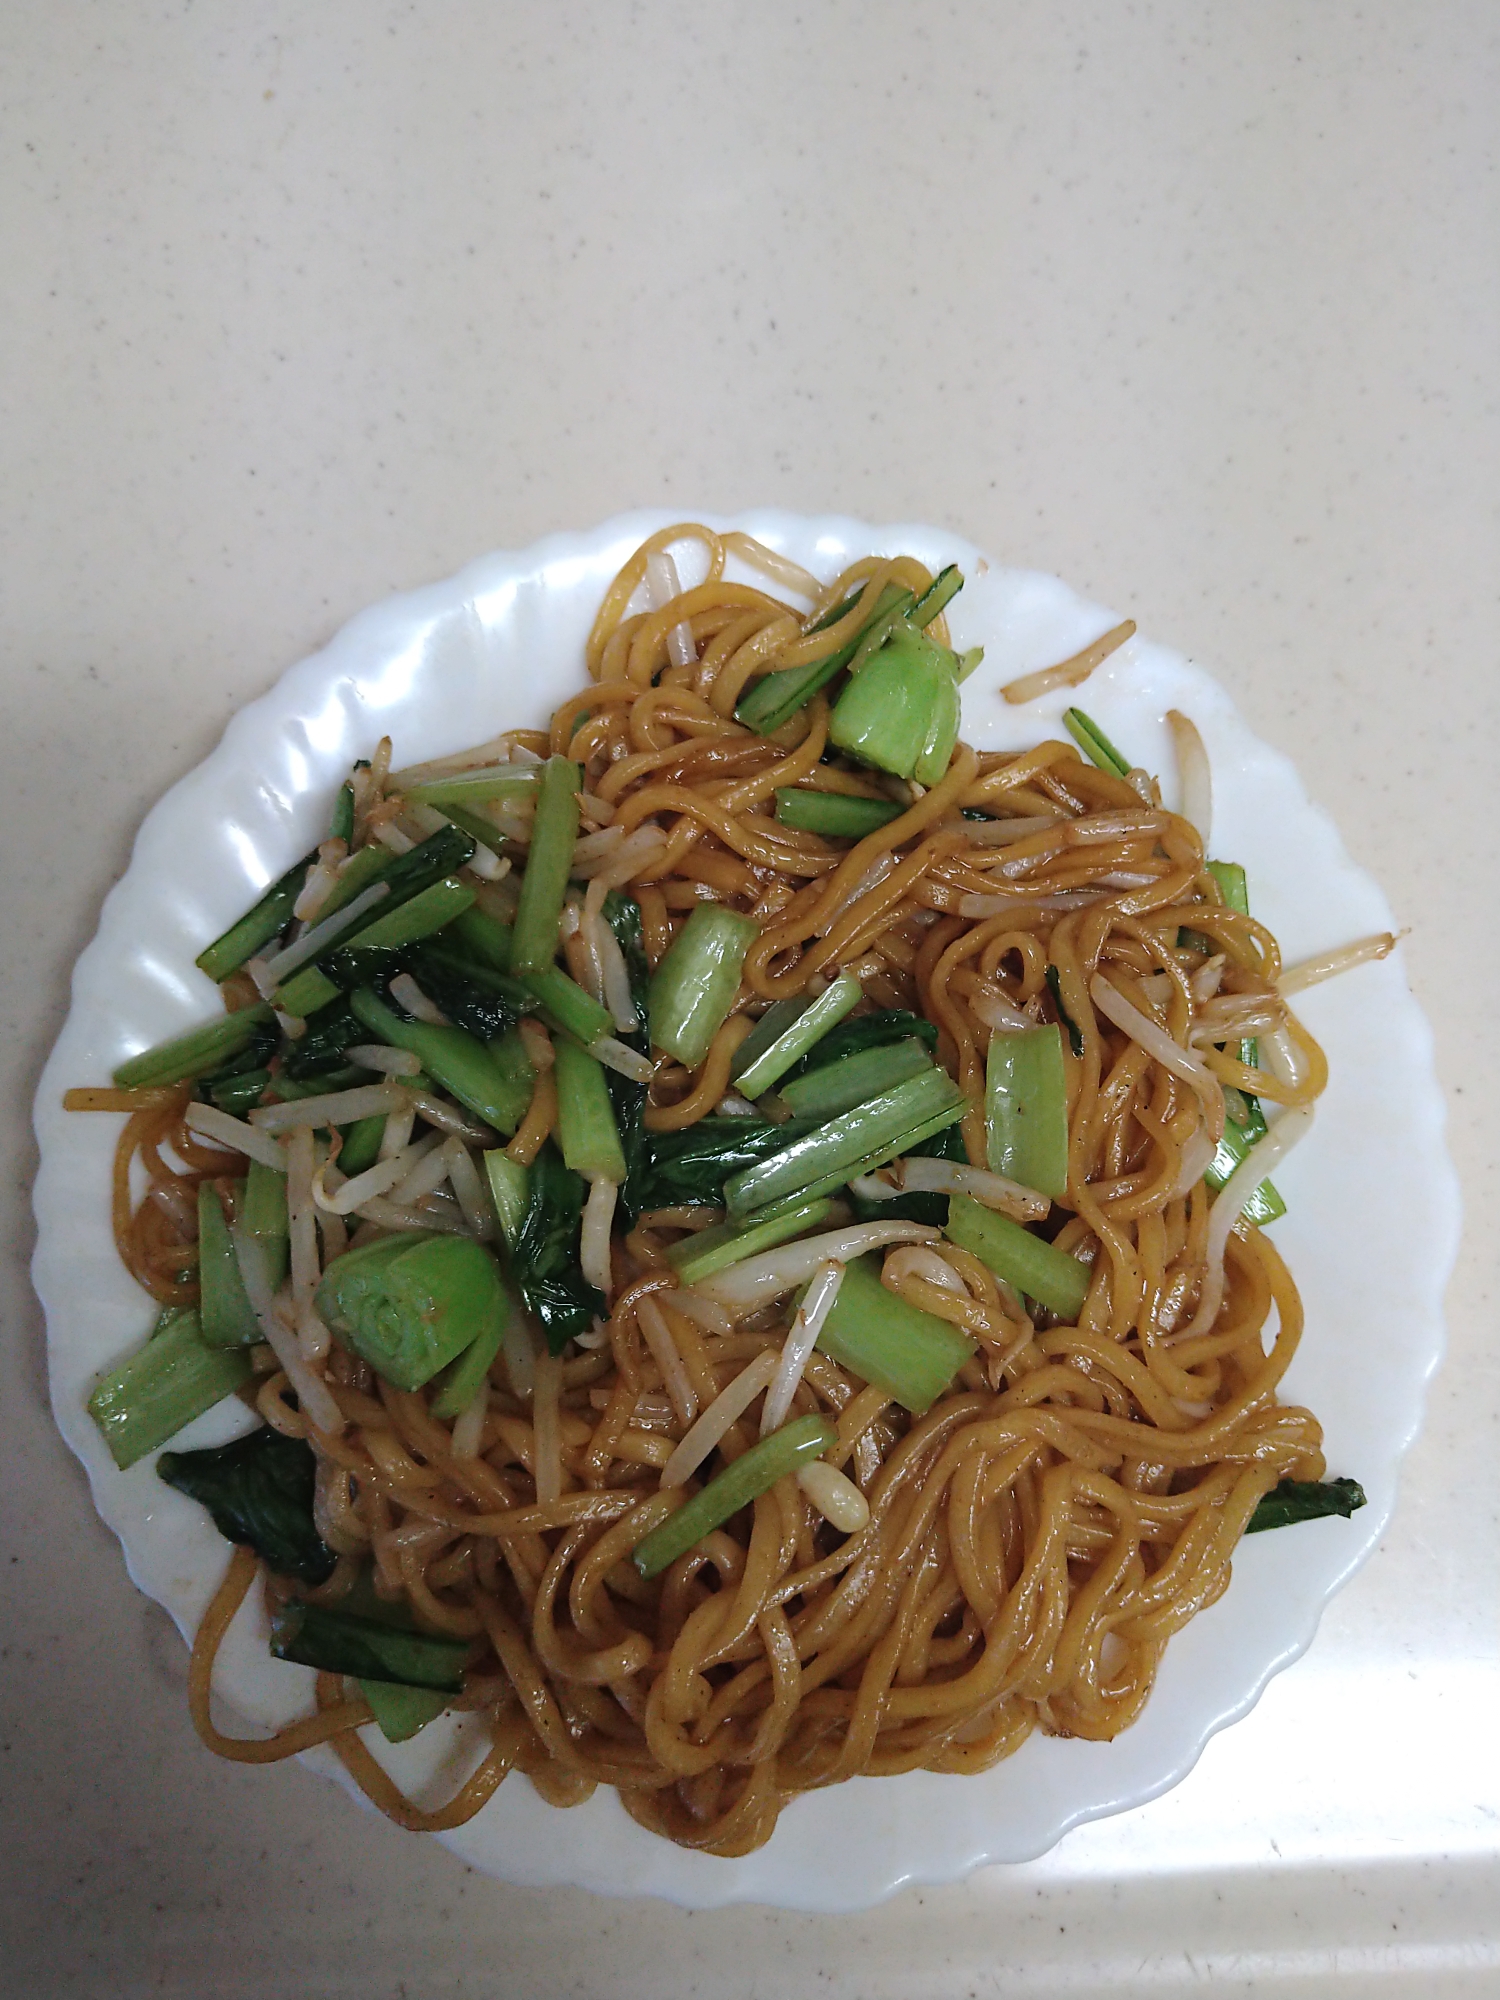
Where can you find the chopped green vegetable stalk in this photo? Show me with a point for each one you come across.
(428, 911)
(263, 1211)
(1026, 1109)
(1232, 886)
(938, 595)
(866, 1137)
(900, 712)
(771, 1062)
(454, 1059)
(693, 988)
(226, 1317)
(838, 815)
(753, 1473)
(479, 829)
(1293, 1500)
(776, 698)
(239, 1093)
(710, 1250)
(402, 1711)
(548, 863)
(586, 1128)
(561, 999)
(476, 788)
(886, 1340)
(464, 1378)
(315, 1635)
(1028, 1262)
(1065, 1019)
(195, 1053)
(175, 1377)
(308, 991)
(258, 926)
(968, 660)
(259, 1490)
(1094, 744)
(1266, 1204)
(410, 1304)
(508, 1187)
(367, 865)
(341, 822)
(361, 1144)
(853, 1080)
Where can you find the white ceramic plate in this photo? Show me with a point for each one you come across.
(497, 646)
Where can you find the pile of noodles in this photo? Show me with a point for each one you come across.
(1070, 1503)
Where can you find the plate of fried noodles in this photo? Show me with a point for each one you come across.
(705, 1189)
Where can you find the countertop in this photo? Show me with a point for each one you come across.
(1195, 306)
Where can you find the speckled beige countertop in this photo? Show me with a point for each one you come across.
(1195, 305)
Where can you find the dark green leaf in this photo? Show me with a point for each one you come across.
(259, 1490)
(544, 1260)
(945, 1145)
(1305, 1500)
(316, 1635)
(322, 1048)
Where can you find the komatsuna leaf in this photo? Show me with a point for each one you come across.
(259, 1490)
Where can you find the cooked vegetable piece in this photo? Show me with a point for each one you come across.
(409, 1304)
(709, 1250)
(267, 920)
(853, 1080)
(756, 1471)
(1065, 1019)
(776, 697)
(196, 1053)
(513, 782)
(316, 1635)
(671, 1169)
(827, 1157)
(402, 1711)
(917, 1206)
(509, 1192)
(428, 911)
(361, 1144)
(1012, 1252)
(886, 1340)
(1293, 1500)
(585, 1117)
(866, 1031)
(1093, 742)
(226, 1317)
(900, 712)
(454, 1059)
(693, 988)
(548, 862)
(174, 1378)
(474, 996)
(263, 1214)
(544, 1256)
(259, 1490)
(1266, 1204)
(1026, 1109)
(561, 999)
(787, 1044)
(341, 821)
(462, 1382)
(787, 1031)
(836, 815)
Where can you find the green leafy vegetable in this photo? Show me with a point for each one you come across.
(693, 988)
(836, 815)
(199, 1052)
(900, 711)
(225, 1314)
(548, 861)
(1094, 744)
(1028, 1262)
(1026, 1109)
(866, 1031)
(886, 1340)
(259, 1490)
(1293, 1500)
(1054, 987)
(852, 1080)
(402, 1711)
(316, 1635)
(174, 1378)
(773, 1053)
(754, 1472)
(268, 919)
(544, 1257)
